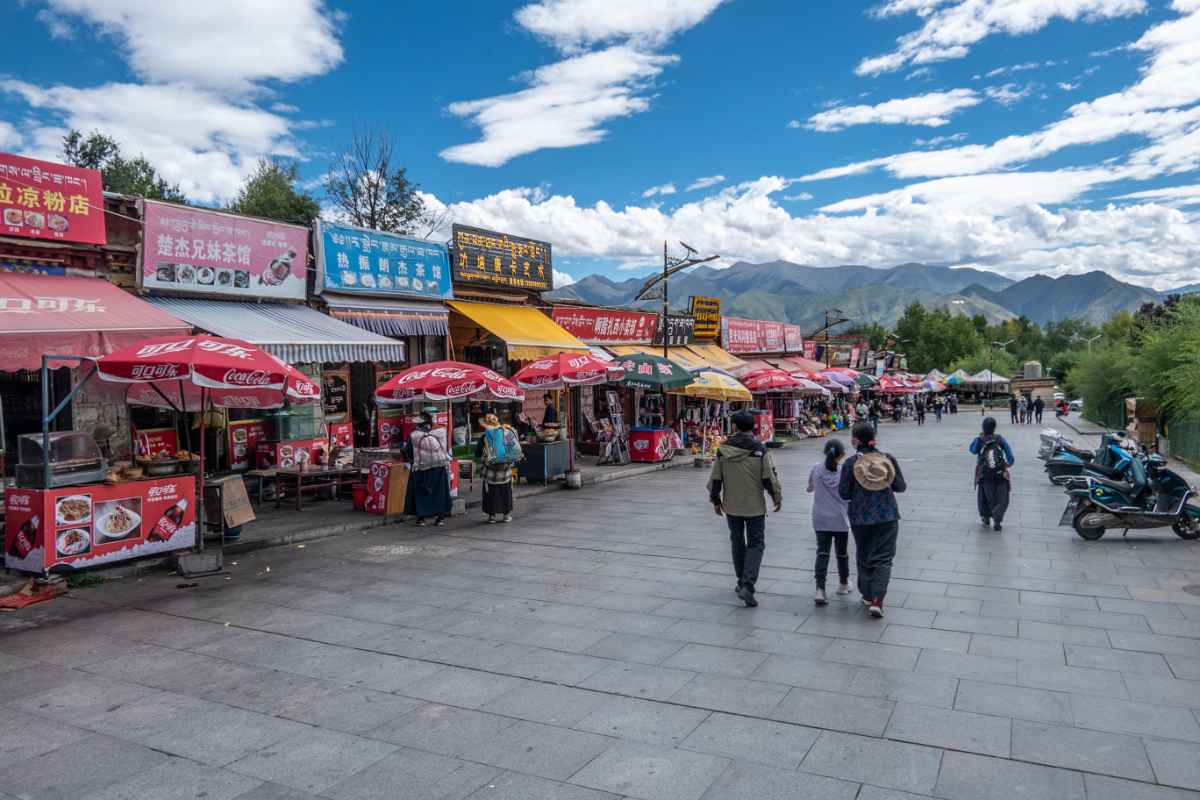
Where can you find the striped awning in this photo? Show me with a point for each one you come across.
(297, 334)
(391, 318)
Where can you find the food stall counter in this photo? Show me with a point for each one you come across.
(544, 460)
(75, 527)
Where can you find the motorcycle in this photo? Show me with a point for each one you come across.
(1151, 496)
(1110, 460)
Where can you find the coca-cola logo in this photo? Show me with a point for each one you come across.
(540, 365)
(164, 347)
(450, 373)
(409, 377)
(462, 389)
(226, 349)
(641, 444)
(576, 363)
(258, 377)
(154, 371)
(304, 388)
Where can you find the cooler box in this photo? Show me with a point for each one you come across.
(649, 445)
(764, 425)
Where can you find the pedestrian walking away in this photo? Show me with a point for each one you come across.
(1039, 405)
(993, 476)
(499, 448)
(876, 413)
(742, 474)
(919, 409)
(938, 408)
(1013, 408)
(429, 482)
(829, 519)
(869, 483)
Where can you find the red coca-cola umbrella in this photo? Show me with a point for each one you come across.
(770, 380)
(574, 368)
(448, 381)
(193, 373)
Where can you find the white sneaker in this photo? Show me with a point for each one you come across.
(819, 597)
(843, 589)
(508, 517)
(491, 520)
(875, 611)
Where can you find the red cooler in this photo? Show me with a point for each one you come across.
(650, 445)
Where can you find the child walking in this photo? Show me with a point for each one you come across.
(829, 519)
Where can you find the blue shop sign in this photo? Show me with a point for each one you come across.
(360, 261)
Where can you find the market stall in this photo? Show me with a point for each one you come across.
(781, 393)
(706, 401)
(653, 439)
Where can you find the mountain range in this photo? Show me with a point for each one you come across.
(801, 294)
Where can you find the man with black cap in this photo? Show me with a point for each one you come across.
(742, 473)
(869, 482)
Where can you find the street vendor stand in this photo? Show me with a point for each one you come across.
(553, 455)
(710, 388)
(649, 373)
(776, 385)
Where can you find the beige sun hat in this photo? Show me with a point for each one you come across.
(874, 471)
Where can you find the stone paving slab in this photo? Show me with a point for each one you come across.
(594, 650)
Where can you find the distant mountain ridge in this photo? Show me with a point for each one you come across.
(801, 294)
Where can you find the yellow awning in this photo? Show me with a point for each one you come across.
(711, 385)
(682, 356)
(715, 356)
(528, 333)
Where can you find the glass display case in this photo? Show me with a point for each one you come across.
(75, 459)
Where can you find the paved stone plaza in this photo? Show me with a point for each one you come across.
(595, 649)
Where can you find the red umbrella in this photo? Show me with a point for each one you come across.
(448, 380)
(573, 368)
(209, 362)
(770, 380)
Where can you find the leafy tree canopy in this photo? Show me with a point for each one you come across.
(271, 193)
(133, 176)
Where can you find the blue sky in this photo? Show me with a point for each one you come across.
(1020, 136)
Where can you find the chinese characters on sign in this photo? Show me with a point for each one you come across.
(680, 331)
(498, 259)
(707, 312)
(42, 200)
(360, 261)
(209, 252)
(606, 326)
(761, 336)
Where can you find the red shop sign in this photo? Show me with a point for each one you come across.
(755, 336)
(605, 325)
(44, 200)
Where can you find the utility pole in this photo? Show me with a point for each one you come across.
(833, 316)
(671, 265)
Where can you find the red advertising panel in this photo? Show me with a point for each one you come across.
(244, 436)
(44, 200)
(606, 325)
(810, 350)
(155, 442)
(210, 252)
(341, 434)
(74, 527)
(289, 455)
(855, 352)
(755, 336)
(793, 338)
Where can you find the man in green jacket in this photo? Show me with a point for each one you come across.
(741, 474)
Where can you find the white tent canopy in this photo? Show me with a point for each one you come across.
(937, 375)
(988, 378)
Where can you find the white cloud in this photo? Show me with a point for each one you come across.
(1067, 86)
(562, 279)
(1008, 94)
(10, 137)
(662, 189)
(745, 222)
(1171, 195)
(1163, 106)
(58, 27)
(707, 182)
(798, 197)
(571, 25)
(995, 192)
(195, 137)
(216, 43)
(951, 28)
(934, 141)
(933, 109)
(570, 100)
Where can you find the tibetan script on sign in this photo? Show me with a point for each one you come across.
(497, 259)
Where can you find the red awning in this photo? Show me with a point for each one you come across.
(72, 316)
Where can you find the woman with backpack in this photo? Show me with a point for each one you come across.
(499, 448)
(993, 480)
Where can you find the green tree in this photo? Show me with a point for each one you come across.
(932, 339)
(271, 193)
(1000, 361)
(133, 176)
(1166, 364)
(1103, 378)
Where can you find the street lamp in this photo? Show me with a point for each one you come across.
(992, 367)
(1077, 337)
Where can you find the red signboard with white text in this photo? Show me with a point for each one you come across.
(606, 325)
(44, 200)
(761, 336)
(73, 527)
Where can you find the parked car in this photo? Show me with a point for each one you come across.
(1076, 405)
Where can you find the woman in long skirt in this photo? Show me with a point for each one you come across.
(499, 449)
(429, 481)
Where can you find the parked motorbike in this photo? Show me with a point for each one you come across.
(1109, 460)
(1149, 496)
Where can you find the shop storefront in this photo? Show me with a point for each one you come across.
(389, 285)
(238, 275)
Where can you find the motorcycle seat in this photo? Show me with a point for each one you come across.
(1101, 471)
(1126, 488)
(1086, 455)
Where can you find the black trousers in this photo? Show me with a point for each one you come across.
(839, 540)
(1038, 413)
(874, 550)
(992, 498)
(747, 535)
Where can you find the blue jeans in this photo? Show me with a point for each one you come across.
(747, 535)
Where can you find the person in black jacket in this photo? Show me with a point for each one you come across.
(869, 482)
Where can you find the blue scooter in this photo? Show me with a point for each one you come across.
(1148, 496)
(1109, 460)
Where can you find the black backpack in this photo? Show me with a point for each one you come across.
(991, 463)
